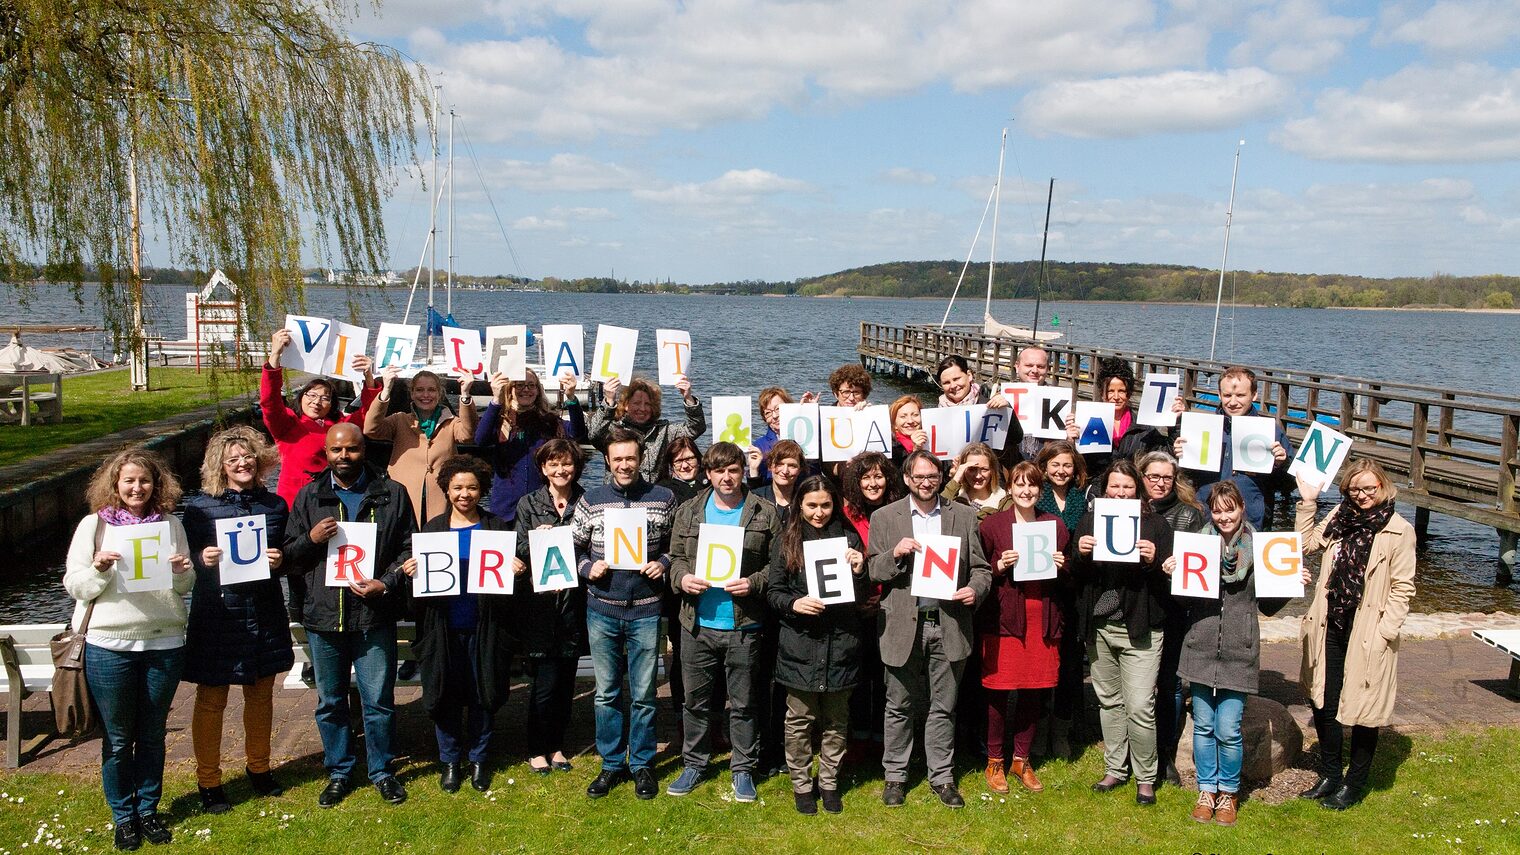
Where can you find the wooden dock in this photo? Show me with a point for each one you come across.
(1450, 451)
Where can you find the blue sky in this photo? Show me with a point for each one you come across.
(716, 139)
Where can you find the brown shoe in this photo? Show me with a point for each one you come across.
(1204, 810)
(1025, 773)
(996, 780)
(1225, 807)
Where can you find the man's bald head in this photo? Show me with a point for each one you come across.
(346, 431)
(345, 451)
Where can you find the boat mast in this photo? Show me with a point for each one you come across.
(1039, 288)
(1229, 214)
(449, 282)
(432, 227)
(997, 193)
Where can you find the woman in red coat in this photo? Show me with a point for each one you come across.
(1019, 627)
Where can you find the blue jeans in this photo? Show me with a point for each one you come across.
(462, 724)
(133, 691)
(371, 654)
(620, 648)
(1218, 752)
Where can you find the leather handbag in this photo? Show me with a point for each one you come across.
(74, 712)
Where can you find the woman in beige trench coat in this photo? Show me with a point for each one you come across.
(421, 438)
(1351, 634)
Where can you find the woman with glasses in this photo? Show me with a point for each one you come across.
(518, 421)
(682, 469)
(1351, 634)
(770, 400)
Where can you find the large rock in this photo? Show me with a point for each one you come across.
(1271, 738)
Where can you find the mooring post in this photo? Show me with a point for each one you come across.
(1509, 546)
(1421, 526)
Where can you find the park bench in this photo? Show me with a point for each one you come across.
(1507, 640)
(28, 668)
(17, 397)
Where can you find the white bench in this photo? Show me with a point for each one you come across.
(1507, 640)
(28, 668)
(406, 633)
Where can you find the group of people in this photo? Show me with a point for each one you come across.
(758, 663)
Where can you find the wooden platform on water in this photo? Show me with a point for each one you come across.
(1453, 452)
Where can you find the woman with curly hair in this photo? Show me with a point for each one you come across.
(636, 407)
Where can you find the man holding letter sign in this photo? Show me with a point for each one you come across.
(816, 569)
(1237, 397)
(1020, 630)
(721, 620)
(924, 643)
(623, 614)
(352, 626)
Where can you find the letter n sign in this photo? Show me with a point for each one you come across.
(936, 567)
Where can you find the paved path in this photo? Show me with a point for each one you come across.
(1443, 683)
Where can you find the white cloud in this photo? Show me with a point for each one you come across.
(734, 187)
(537, 224)
(1295, 37)
(906, 175)
(565, 173)
(584, 215)
(1464, 113)
(1170, 102)
(1455, 27)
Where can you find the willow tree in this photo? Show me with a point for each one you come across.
(240, 132)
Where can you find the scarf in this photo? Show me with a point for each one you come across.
(973, 395)
(1235, 555)
(428, 424)
(1354, 528)
(905, 441)
(122, 516)
(1122, 425)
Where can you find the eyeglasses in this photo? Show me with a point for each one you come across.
(684, 461)
(1359, 492)
(241, 458)
(1161, 479)
(924, 479)
(770, 411)
(318, 397)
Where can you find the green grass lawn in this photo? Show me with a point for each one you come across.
(101, 403)
(1453, 793)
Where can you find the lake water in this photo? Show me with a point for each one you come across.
(740, 344)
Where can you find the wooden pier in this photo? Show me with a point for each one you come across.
(1450, 451)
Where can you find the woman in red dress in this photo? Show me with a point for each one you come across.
(1019, 629)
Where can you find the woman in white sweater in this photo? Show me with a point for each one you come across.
(135, 639)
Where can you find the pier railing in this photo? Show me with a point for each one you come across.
(1453, 451)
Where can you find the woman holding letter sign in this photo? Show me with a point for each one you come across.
(134, 642)
(552, 623)
(1019, 630)
(1121, 610)
(518, 421)
(820, 646)
(636, 407)
(238, 631)
(421, 438)
(1065, 496)
(464, 641)
(1221, 657)
(1351, 633)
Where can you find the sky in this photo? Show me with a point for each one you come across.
(719, 140)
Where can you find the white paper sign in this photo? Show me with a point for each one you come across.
(613, 353)
(623, 541)
(490, 562)
(731, 419)
(1278, 562)
(1197, 572)
(348, 341)
(673, 348)
(1036, 545)
(438, 572)
(1025, 399)
(244, 542)
(827, 570)
(564, 350)
(936, 567)
(1251, 439)
(951, 429)
(1202, 441)
(351, 554)
(1320, 455)
(996, 424)
(462, 354)
(1156, 399)
(720, 553)
(799, 423)
(1095, 427)
(507, 351)
(551, 557)
(309, 340)
(1116, 528)
(873, 429)
(1054, 406)
(145, 549)
(395, 344)
(836, 431)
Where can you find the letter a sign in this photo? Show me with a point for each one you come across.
(936, 567)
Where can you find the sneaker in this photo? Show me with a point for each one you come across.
(391, 790)
(894, 794)
(644, 784)
(807, 803)
(336, 790)
(997, 780)
(949, 796)
(264, 783)
(214, 799)
(744, 788)
(832, 803)
(1225, 808)
(1204, 810)
(128, 836)
(154, 829)
(687, 782)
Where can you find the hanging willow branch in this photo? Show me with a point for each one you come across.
(259, 128)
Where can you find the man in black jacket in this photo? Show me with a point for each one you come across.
(352, 627)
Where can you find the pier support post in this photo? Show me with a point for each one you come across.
(1421, 526)
(1509, 554)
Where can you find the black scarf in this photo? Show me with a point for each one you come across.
(1354, 528)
